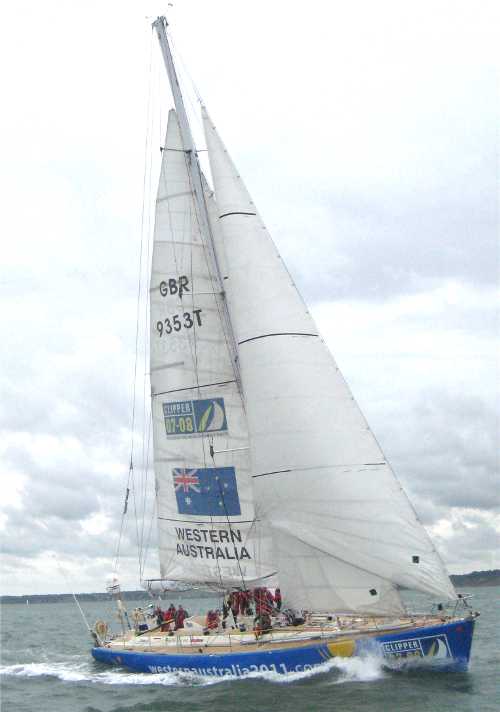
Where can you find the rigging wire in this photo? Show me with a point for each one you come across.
(180, 61)
(229, 523)
(147, 140)
(150, 529)
(146, 423)
(144, 549)
(66, 577)
(213, 282)
(208, 249)
(218, 294)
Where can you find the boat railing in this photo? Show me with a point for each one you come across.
(183, 643)
(202, 641)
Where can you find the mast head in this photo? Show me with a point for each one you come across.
(160, 20)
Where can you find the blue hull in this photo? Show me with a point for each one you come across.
(445, 646)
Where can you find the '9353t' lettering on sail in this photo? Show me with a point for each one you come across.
(179, 321)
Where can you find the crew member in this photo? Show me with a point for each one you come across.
(267, 604)
(277, 599)
(212, 620)
(262, 624)
(235, 605)
(180, 617)
(168, 618)
(258, 600)
(243, 602)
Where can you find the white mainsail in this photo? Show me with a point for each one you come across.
(208, 531)
(345, 535)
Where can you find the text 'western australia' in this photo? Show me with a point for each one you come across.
(211, 543)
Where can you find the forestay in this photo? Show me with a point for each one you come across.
(345, 535)
(207, 527)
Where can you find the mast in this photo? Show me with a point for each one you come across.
(202, 462)
(194, 169)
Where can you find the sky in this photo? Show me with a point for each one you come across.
(367, 136)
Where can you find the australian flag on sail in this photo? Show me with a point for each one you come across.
(211, 491)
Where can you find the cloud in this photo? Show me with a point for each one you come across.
(368, 140)
(469, 540)
(425, 372)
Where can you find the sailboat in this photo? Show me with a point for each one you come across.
(267, 474)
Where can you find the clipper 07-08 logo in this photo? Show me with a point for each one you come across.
(194, 417)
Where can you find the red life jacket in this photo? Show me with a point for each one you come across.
(179, 618)
(212, 620)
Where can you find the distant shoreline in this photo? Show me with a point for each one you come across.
(139, 595)
(472, 580)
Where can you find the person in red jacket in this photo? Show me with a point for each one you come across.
(180, 617)
(277, 599)
(249, 602)
(267, 602)
(257, 595)
(168, 618)
(235, 606)
(243, 602)
(212, 620)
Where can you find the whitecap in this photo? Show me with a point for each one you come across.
(82, 673)
(355, 669)
(59, 670)
(359, 669)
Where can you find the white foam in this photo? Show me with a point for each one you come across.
(284, 678)
(144, 678)
(359, 669)
(355, 669)
(82, 673)
(59, 670)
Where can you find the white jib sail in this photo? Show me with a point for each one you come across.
(346, 537)
(207, 528)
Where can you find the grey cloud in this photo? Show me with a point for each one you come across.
(378, 246)
(445, 451)
(417, 209)
(38, 532)
(472, 539)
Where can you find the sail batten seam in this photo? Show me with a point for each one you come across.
(193, 388)
(237, 212)
(321, 467)
(208, 521)
(281, 333)
(276, 472)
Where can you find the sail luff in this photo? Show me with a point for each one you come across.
(320, 478)
(206, 516)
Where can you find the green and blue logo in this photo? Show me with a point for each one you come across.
(195, 417)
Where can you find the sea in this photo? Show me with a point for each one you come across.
(46, 666)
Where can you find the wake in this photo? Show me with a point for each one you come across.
(343, 670)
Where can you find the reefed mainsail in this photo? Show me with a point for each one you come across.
(208, 531)
(345, 535)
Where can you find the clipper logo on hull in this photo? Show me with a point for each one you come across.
(194, 417)
(431, 646)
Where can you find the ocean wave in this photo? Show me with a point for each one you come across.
(348, 670)
(82, 673)
(356, 669)
(359, 669)
(62, 671)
